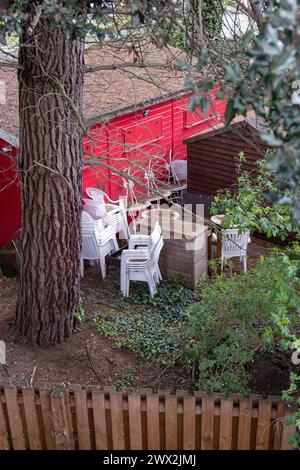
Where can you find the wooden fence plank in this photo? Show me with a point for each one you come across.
(98, 401)
(47, 418)
(207, 424)
(189, 410)
(225, 438)
(117, 421)
(244, 425)
(263, 425)
(171, 422)
(278, 426)
(135, 422)
(32, 423)
(70, 422)
(4, 442)
(60, 420)
(153, 422)
(82, 420)
(287, 431)
(14, 418)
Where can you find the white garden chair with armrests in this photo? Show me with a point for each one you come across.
(140, 262)
(234, 245)
(112, 213)
(97, 242)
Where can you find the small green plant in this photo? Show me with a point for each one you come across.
(241, 316)
(152, 327)
(126, 379)
(292, 395)
(79, 316)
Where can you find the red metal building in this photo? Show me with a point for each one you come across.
(138, 118)
(154, 127)
(157, 127)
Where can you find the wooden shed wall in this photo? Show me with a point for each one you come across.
(211, 160)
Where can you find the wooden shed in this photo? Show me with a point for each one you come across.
(212, 156)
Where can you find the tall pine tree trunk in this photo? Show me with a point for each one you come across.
(51, 156)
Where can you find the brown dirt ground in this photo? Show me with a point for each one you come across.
(88, 358)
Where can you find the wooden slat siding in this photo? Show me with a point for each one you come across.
(236, 146)
(205, 166)
(263, 425)
(244, 425)
(152, 402)
(220, 167)
(223, 155)
(14, 418)
(135, 421)
(117, 421)
(213, 153)
(32, 423)
(287, 430)
(60, 428)
(226, 415)
(207, 423)
(98, 401)
(171, 422)
(189, 418)
(4, 442)
(82, 420)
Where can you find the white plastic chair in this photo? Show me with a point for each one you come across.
(112, 213)
(97, 242)
(178, 170)
(234, 244)
(140, 261)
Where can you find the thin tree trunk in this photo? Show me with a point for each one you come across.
(51, 156)
(201, 27)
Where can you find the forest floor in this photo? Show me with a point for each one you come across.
(89, 358)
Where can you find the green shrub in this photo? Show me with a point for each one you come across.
(242, 316)
(247, 206)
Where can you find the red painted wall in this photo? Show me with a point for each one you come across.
(132, 137)
(10, 198)
(163, 129)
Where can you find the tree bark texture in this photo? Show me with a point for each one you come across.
(51, 156)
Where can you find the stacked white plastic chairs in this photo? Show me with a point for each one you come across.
(140, 261)
(112, 213)
(97, 242)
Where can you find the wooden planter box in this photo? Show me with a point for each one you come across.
(185, 251)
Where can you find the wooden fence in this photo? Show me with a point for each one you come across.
(88, 418)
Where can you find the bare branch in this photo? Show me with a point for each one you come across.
(125, 65)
